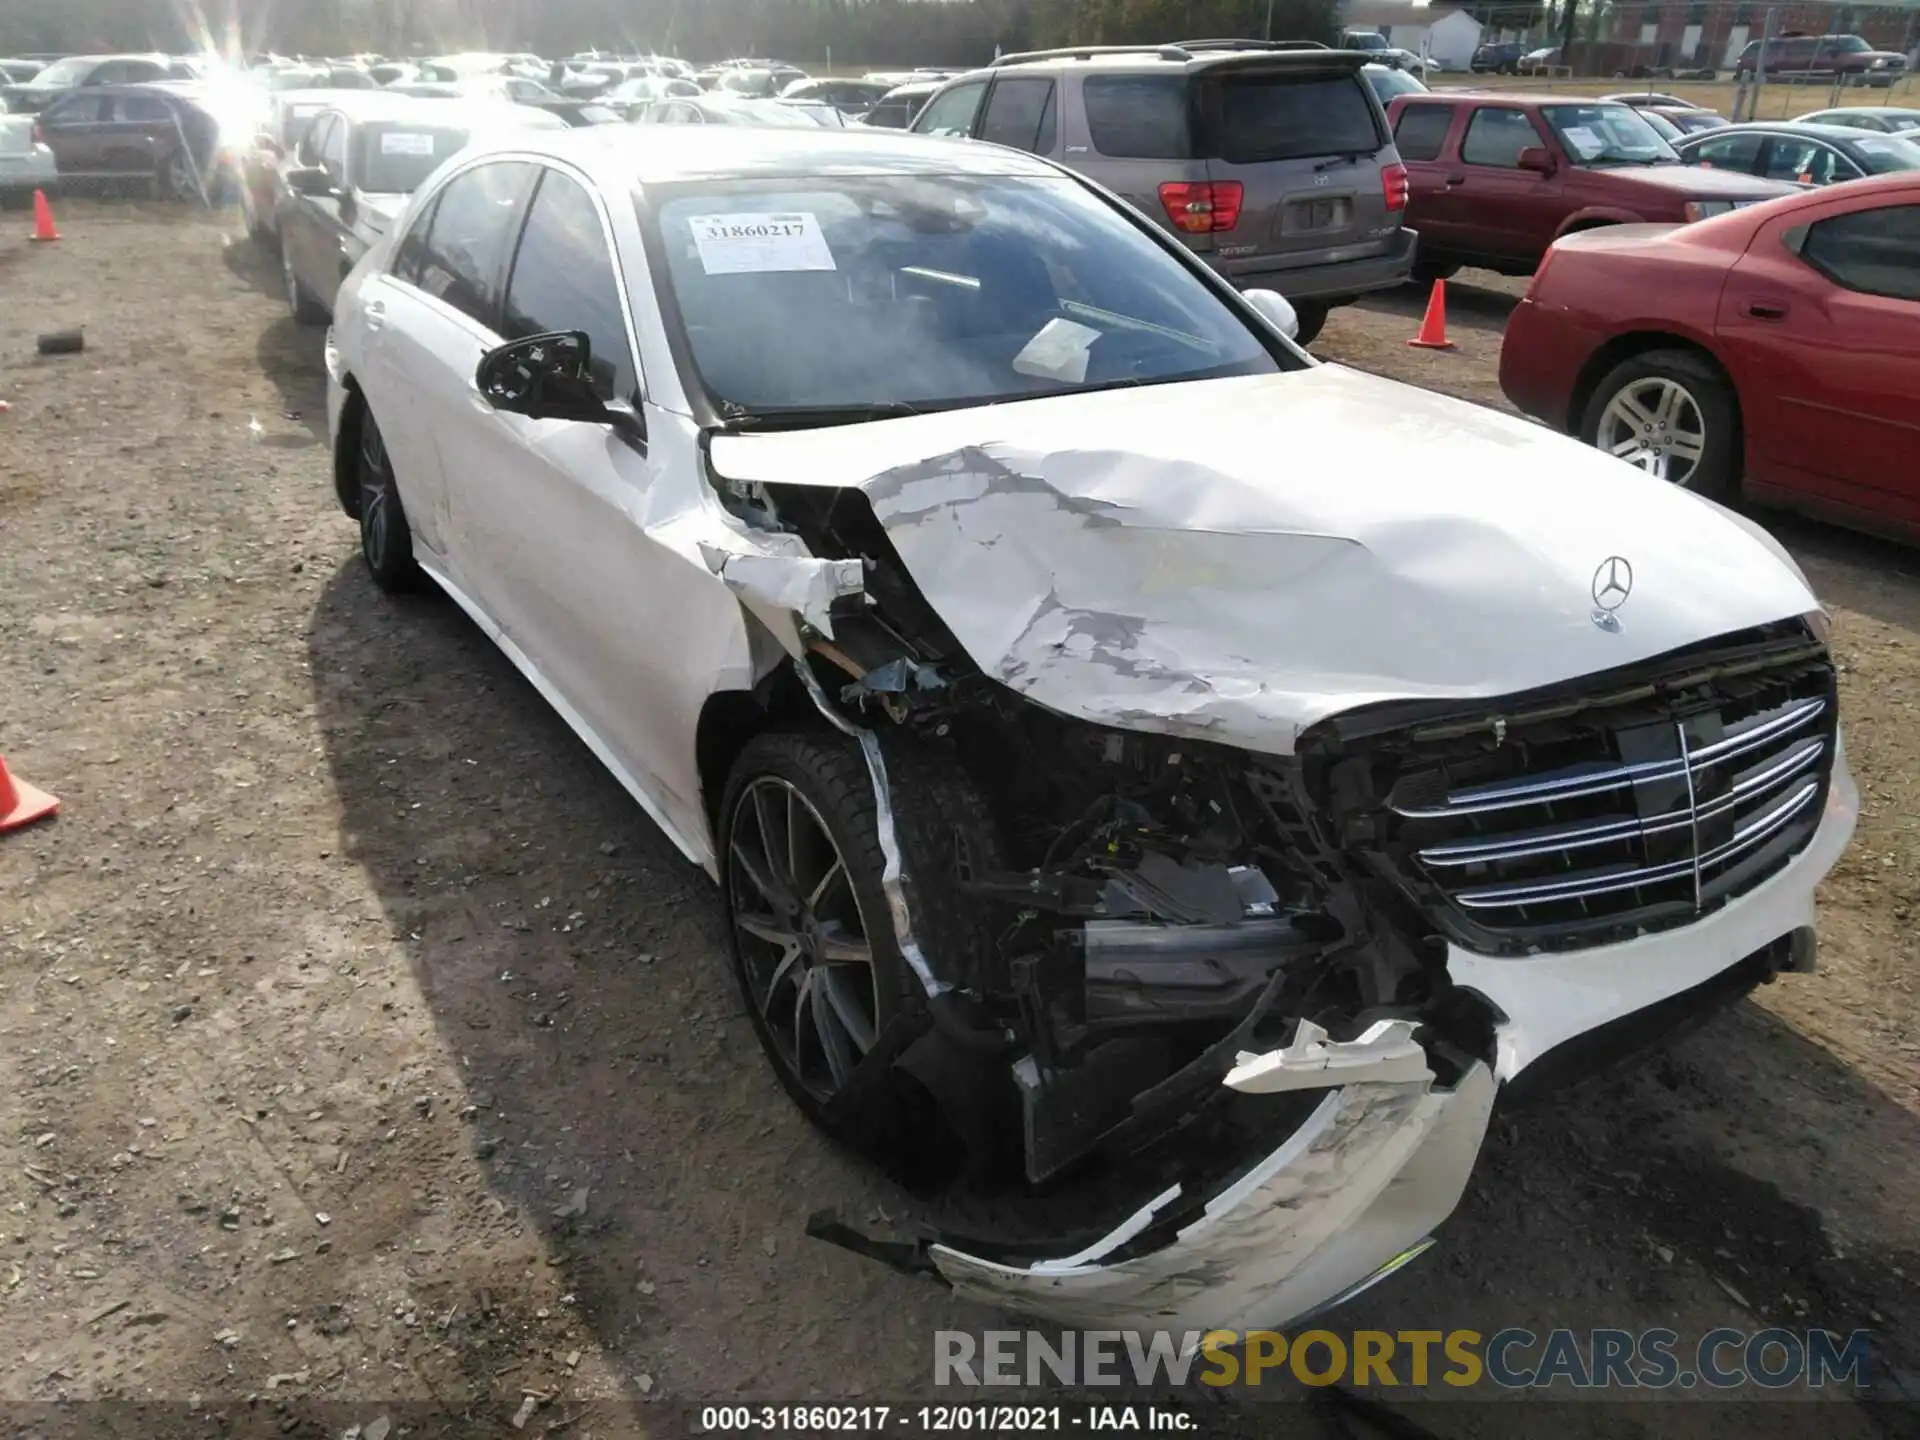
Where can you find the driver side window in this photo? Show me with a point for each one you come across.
(951, 112)
(475, 220)
(1496, 137)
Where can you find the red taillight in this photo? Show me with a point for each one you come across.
(1202, 207)
(1394, 185)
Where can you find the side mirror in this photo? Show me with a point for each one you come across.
(544, 377)
(1275, 309)
(1536, 158)
(309, 180)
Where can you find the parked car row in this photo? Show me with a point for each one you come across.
(1184, 934)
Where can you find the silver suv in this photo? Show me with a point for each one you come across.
(1271, 161)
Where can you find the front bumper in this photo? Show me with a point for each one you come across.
(1338, 280)
(1378, 1165)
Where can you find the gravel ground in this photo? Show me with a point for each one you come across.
(362, 1046)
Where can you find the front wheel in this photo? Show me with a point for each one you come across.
(1311, 316)
(1673, 415)
(386, 539)
(829, 994)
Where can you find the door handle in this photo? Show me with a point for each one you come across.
(1453, 180)
(374, 312)
(1767, 310)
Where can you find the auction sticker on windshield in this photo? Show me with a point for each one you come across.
(753, 244)
(401, 142)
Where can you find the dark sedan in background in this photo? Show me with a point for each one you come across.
(352, 173)
(1803, 154)
(163, 136)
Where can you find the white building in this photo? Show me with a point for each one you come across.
(1447, 33)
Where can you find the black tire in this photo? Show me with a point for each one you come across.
(257, 229)
(300, 302)
(940, 825)
(1716, 474)
(386, 540)
(177, 178)
(1311, 316)
(1425, 272)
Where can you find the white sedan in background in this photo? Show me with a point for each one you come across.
(1161, 786)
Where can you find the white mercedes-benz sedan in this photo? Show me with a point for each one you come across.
(1163, 788)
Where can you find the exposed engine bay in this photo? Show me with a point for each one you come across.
(1163, 910)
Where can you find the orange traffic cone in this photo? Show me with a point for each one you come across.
(20, 803)
(43, 230)
(1433, 329)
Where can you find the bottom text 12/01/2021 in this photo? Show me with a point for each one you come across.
(915, 1420)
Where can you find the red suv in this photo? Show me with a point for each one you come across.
(1495, 179)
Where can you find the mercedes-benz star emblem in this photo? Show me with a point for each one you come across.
(1612, 584)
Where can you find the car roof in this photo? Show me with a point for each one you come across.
(620, 155)
(1191, 57)
(1506, 97)
(1839, 134)
(1866, 110)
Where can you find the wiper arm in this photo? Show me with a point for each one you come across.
(800, 417)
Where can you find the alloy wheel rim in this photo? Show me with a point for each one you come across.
(179, 176)
(375, 487)
(293, 284)
(1655, 423)
(803, 946)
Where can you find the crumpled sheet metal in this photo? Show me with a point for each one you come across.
(1239, 559)
(1372, 1171)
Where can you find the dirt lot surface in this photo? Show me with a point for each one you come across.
(362, 1045)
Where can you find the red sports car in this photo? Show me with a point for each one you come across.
(1773, 351)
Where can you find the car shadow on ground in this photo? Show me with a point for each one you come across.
(573, 962)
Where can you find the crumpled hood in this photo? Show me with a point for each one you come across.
(1238, 559)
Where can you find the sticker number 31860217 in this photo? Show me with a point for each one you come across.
(752, 244)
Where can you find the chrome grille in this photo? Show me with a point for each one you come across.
(1640, 816)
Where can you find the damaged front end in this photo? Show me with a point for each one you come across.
(1199, 1070)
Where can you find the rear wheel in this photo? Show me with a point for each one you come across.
(1312, 318)
(1426, 272)
(257, 228)
(386, 540)
(1673, 415)
(179, 180)
(306, 310)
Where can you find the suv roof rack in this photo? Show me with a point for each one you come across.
(1234, 44)
(1087, 52)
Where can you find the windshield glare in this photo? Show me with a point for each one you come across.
(928, 292)
(395, 158)
(1884, 156)
(1607, 135)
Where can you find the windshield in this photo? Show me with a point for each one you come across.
(1367, 42)
(1883, 156)
(64, 73)
(894, 293)
(1388, 83)
(393, 158)
(1599, 135)
(728, 110)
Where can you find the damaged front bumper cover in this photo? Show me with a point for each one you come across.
(1343, 1201)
